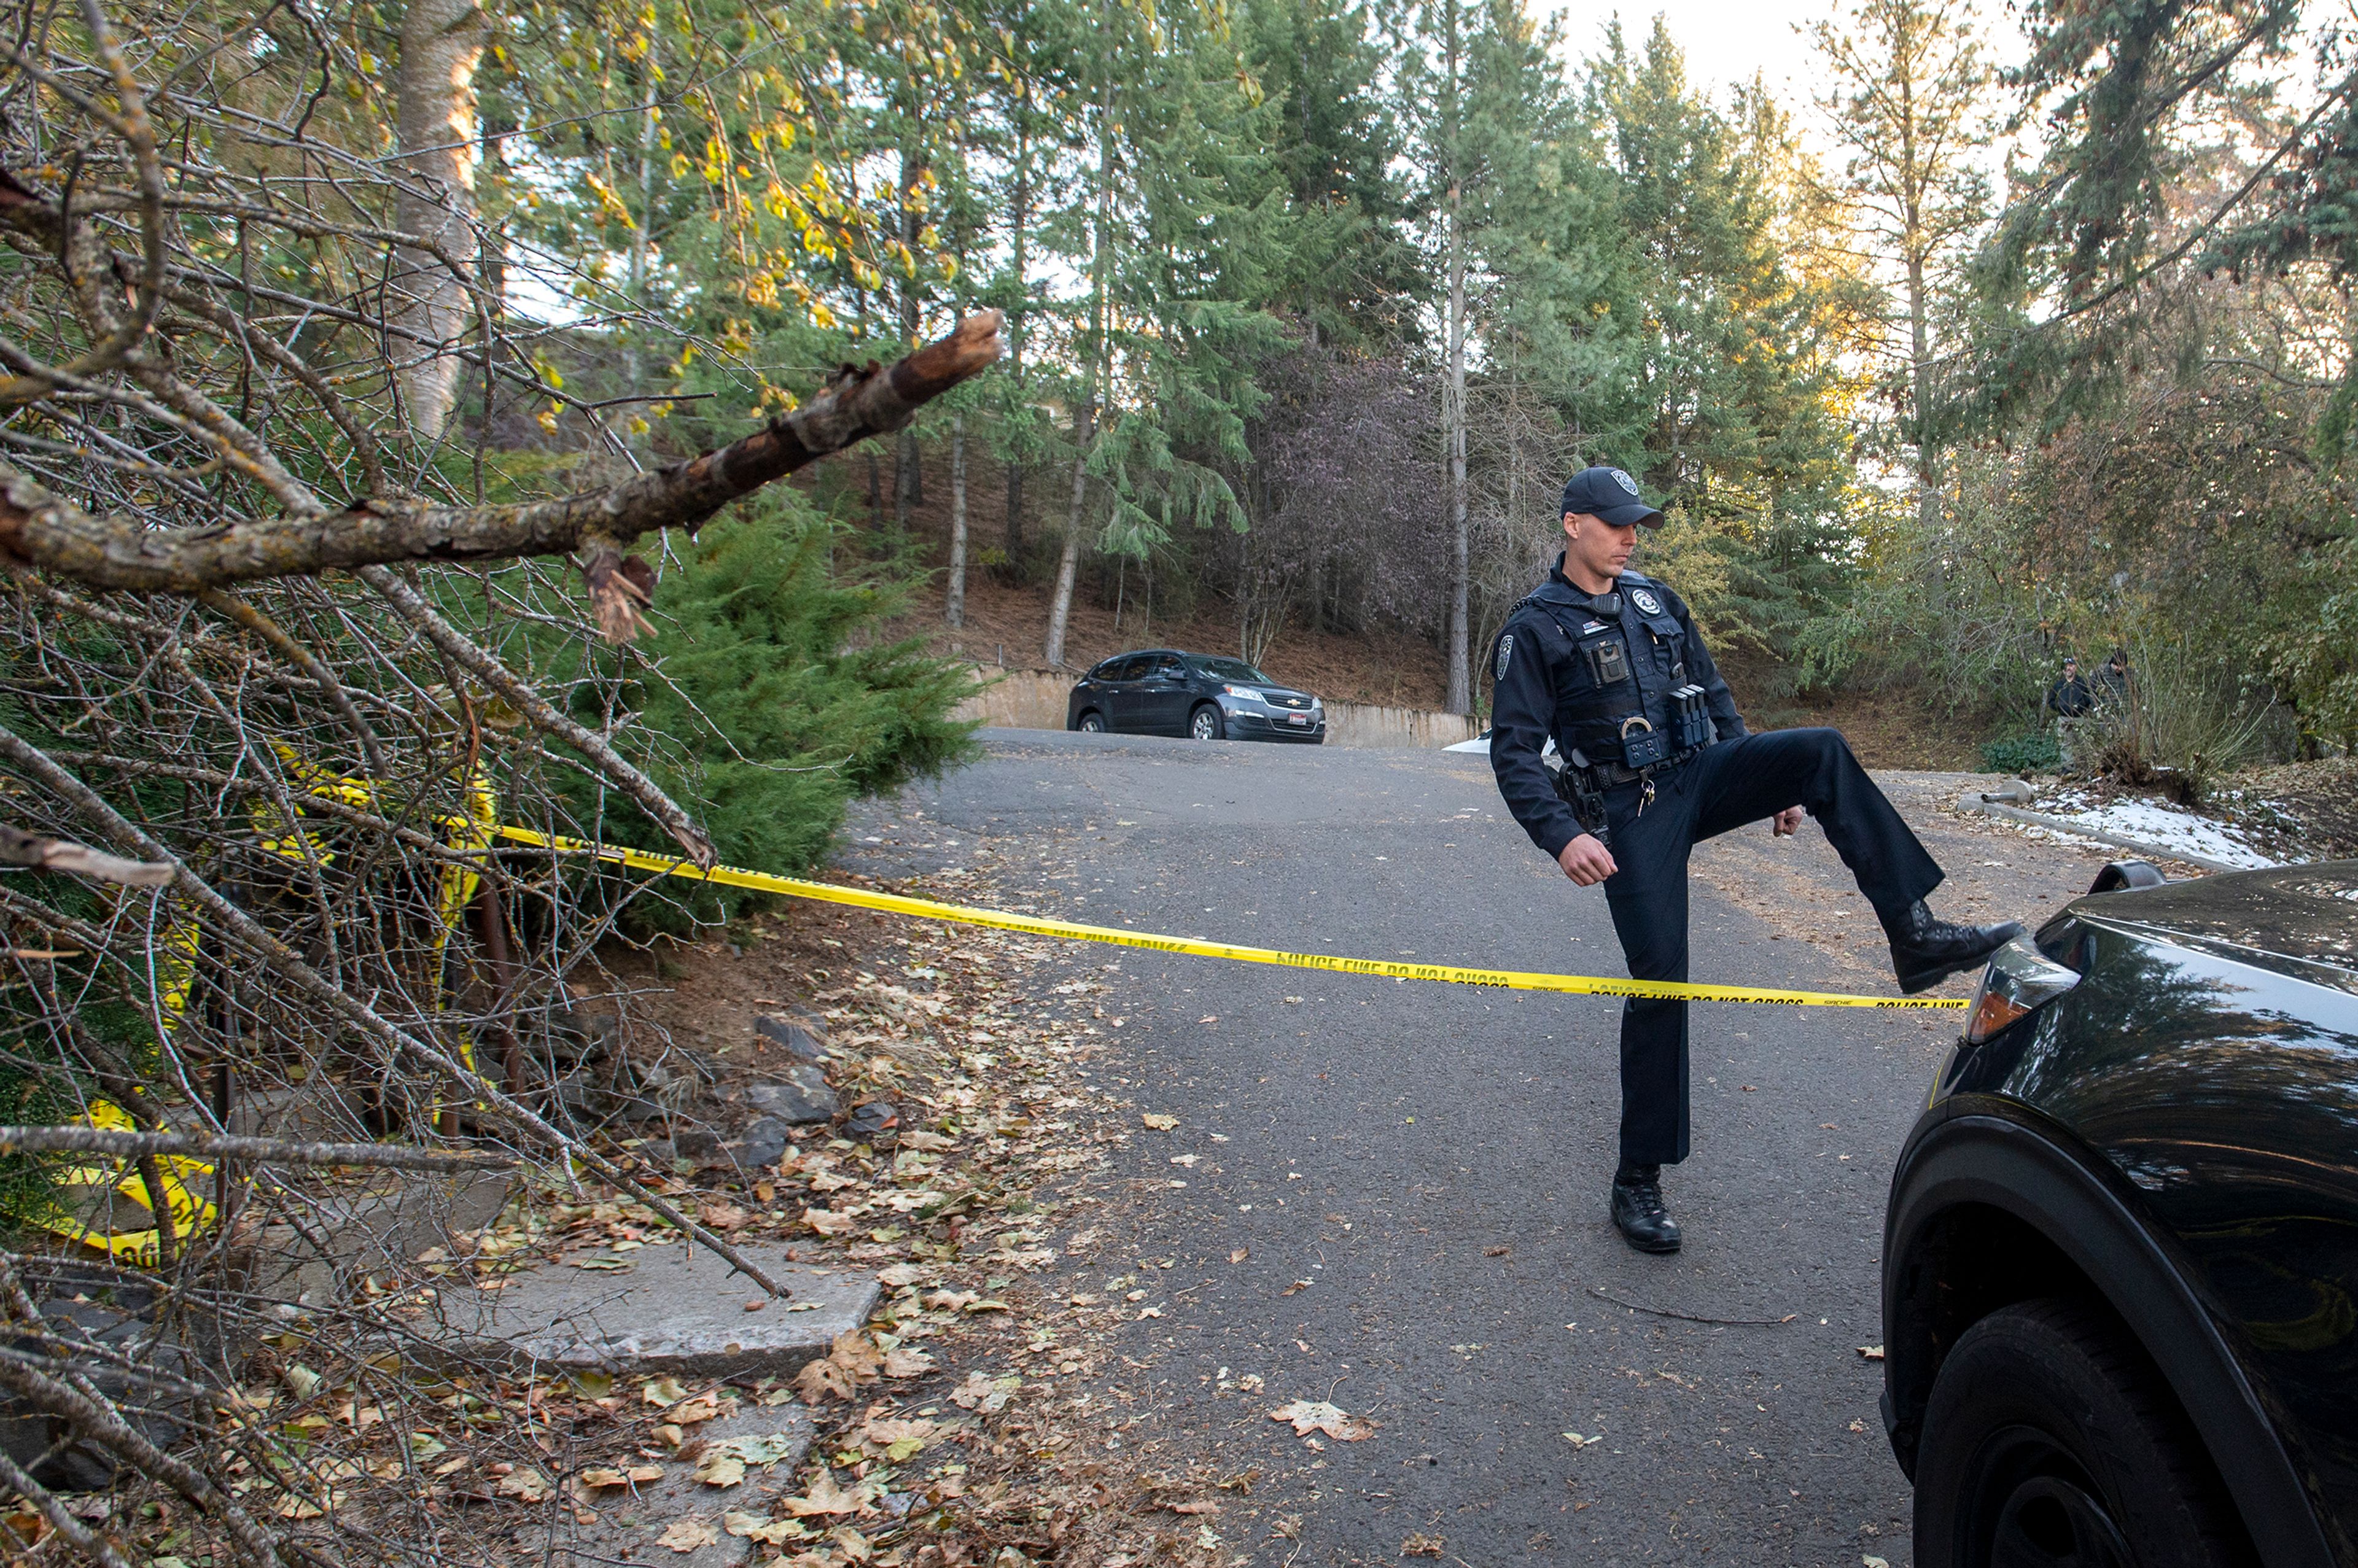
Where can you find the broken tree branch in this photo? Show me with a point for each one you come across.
(40, 529)
(19, 847)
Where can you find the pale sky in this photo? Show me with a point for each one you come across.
(1727, 40)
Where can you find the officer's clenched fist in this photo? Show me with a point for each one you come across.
(1587, 861)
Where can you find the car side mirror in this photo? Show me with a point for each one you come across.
(2120, 875)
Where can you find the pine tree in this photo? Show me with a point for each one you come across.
(1906, 96)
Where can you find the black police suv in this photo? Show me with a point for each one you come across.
(2120, 1289)
(1160, 691)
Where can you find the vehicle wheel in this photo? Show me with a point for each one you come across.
(2052, 1441)
(1091, 724)
(1207, 724)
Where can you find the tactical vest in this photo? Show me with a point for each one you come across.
(1610, 665)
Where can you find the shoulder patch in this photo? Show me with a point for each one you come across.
(1506, 652)
(1645, 601)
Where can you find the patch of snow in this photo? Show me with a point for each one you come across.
(2163, 827)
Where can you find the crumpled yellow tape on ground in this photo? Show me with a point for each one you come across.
(926, 909)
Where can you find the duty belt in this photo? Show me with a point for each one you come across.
(1611, 775)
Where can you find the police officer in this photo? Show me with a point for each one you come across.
(1607, 663)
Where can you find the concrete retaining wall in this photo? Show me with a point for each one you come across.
(1034, 699)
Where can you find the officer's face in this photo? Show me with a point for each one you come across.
(1593, 543)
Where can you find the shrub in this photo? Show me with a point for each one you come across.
(768, 708)
(2032, 753)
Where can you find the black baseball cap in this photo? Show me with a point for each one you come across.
(1609, 493)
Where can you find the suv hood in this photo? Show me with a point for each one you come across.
(2283, 918)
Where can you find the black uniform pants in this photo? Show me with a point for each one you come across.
(1727, 786)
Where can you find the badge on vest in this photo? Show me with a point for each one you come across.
(1646, 602)
(1505, 652)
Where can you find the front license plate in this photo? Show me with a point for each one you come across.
(1297, 719)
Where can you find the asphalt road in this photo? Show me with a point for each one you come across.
(1415, 1174)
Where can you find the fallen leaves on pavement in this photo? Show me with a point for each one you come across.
(1317, 1415)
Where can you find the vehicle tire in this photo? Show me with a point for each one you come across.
(1091, 723)
(1208, 723)
(2051, 1439)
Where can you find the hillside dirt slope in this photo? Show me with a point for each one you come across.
(1006, 622)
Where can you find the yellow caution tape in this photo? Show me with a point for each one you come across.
(191, 1214)
(926, 909)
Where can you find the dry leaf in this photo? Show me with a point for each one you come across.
(825, 1221)
(1158, 1121)
(664, 1391)
(902, 1362)
(984, 1394)
(900, 1274)
(1204, 1507)
(527, 1484)
(824, 1497)
(930, 1142)
(1421, 1546)
(603, 1477)
(719, 1468)
(1871, 1352)
(753, 1526)
(822, 1380)
(688, 1534)
(689, 1412)
(1239, 1255)
(1317, 1415)
(723, 1216)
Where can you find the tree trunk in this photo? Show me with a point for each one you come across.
(954, 598)
(1085, 422)
(908, 473)
(634, 369)
(441, 41)
(1461, 684)
(1020, 235)
(1068, 564)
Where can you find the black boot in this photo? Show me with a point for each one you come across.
(1926, 950)
(1638, 1211)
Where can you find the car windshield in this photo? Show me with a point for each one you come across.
(1228, 669)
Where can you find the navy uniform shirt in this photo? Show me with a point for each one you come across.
(1566, 669)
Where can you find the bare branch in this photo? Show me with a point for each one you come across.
(102, 1140)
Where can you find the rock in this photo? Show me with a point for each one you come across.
(762, 1144)
(805, 1039)
(113, 1320)
(801, 1096)
(676, 1309)
(878, 1120)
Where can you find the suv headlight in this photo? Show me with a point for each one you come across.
(1248, 693)
(2020, 980)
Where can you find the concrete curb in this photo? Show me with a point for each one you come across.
(2101, 836)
